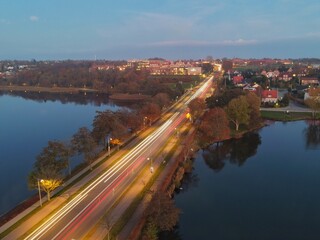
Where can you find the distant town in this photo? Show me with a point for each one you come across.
(238, 69)
(259, 75)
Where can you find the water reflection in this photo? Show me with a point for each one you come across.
(190, 180)
(312, 134)
(171, 235)
(83, 98)
(236, 151)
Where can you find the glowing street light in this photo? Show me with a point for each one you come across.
(144, 121)
(151, 167)
(40, 180)
(109, 139)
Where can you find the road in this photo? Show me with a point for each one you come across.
(292, 107)
(74, 219)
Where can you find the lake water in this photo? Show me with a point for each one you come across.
(265, 186)
(26, 126)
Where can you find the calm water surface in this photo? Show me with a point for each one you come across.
(265, 186)
(26, 126)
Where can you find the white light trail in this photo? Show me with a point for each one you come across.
(41, 230)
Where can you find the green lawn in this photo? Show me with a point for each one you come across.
(283, 116)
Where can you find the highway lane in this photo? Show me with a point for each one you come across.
(75, 218)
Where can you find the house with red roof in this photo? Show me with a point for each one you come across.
(269, 96)
(237, 79)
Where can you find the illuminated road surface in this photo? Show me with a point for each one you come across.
(77, 217)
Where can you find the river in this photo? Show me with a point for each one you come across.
(264, 186)
(26, 125)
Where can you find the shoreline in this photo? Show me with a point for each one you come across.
(16, 88)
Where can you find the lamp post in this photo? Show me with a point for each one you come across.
(109, 139)
(41, 180)
(151, 167)
(144, 121)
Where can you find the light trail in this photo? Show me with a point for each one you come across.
(118, 171)
(40, 231)
(199, 91)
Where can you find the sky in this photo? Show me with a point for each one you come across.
(170, 29)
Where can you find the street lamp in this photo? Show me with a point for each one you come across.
(144, 121)
(109, 139)
(151, 167)
(40, 180)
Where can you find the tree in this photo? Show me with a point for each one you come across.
(84, 143)
(150, 231)
(196, 107)
(48, 168)
(314, 104)
(284, 101)
(151, 111)
(104, 123)
(238, 111)
(254, 106)
(162, 212)
(134, 121)
(214, 126)
(162, 100)
(125, 120)
(224, 98)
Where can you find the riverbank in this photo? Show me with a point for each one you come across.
(286, 115)
(123, 97)
(16, 88)
(256, 181)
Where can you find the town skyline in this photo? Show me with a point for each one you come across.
(173, 30)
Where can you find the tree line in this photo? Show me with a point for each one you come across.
(225, 114)
(82, 74)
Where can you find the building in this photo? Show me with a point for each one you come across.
(309, 81)
(237, 79)
(194, 70)
(256, 88)
(269, 96)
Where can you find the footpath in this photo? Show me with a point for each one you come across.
(35, 213)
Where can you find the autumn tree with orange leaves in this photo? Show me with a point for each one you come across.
(214, 127)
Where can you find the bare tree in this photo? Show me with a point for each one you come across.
(83, 142)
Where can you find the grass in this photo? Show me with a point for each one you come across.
(283, 116)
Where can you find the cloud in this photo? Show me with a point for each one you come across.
(196, 43)
(34, 18)
(238, 42)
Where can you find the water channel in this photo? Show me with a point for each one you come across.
(264, 186)
(27, 123)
